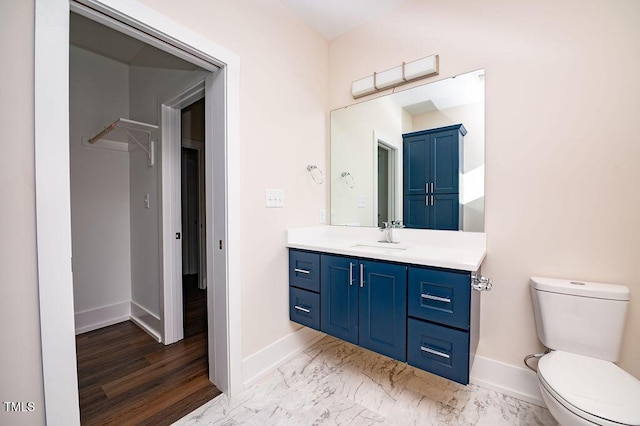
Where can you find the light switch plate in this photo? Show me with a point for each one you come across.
(274, 198)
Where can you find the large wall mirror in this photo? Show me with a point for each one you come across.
(415, 156)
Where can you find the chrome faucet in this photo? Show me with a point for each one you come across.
(387, 228)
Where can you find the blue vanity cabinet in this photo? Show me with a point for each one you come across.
(304, 288)
(443, 323)
(364, 302)
(431, 167)
(426, 316)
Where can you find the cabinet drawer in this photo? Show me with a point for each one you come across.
(438, 349)
(304, 307)
(304, 270)
(439, 296)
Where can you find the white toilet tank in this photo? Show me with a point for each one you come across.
(580, 317)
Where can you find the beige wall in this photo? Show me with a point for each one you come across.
(20, 359)
(562, 145)
(283, 125)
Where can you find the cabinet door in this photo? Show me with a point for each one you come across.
(445, 161)
(444, 214)
(416, 213)
(416, 163)
(383, 308)
(339, 297)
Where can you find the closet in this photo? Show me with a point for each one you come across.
(118, 162)
(116, 90)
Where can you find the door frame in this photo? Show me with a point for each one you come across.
(202, 270)
(172, 317)
(53, 213)
(395, 194)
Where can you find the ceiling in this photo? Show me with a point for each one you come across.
(451, 92)
(332, 18)
(97, 38)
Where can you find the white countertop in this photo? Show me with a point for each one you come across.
(445, 249)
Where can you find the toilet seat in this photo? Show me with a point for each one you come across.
(596, 390)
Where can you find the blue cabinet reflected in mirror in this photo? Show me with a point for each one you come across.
(374, 145)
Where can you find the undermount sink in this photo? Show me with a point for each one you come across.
(379, 248)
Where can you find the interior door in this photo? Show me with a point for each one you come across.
(190, 212)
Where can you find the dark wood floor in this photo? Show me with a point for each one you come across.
(127, 378)
(194, 304)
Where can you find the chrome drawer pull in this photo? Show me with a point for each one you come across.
(302, 271)
(300, 308)
(350, 273)
(433, 351)
(436, 298)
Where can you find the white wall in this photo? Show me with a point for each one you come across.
(149, 87)
(99, 95)
(20, 357)
(561, 140)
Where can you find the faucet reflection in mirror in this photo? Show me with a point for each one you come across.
(368, 140)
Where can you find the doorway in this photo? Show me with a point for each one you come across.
(116, 214)
(194, 281)
(386, 188)
(53, 218)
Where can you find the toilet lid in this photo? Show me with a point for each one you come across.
(594, 386)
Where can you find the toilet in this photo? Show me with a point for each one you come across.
(583, 324)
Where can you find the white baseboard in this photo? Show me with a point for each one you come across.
(507, 379)
(266, 360)
(104, 316)
(146, 320)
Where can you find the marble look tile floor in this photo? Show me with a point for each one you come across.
(336, 383)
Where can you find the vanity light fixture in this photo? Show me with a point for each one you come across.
(397, 76)
(316, 174)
